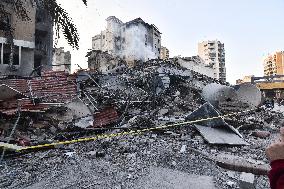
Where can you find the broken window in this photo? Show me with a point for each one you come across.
(6, 53)
(16, 56)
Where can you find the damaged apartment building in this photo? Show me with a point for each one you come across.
(32, 39)
(61, 60)
(131, 41)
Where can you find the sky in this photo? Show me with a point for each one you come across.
(250, 29)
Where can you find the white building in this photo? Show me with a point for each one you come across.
(133, 40)
(213, 53)
(61, 60)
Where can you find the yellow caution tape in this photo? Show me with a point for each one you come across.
(104, 136)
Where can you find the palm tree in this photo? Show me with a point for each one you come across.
(61, 19)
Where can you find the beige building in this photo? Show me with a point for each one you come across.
(165, 53)
(213, 53)
(32, 41)
(133, 40)
(274, 64)
(61, 60)
(246, 79)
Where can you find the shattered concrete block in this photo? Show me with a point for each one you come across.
(247, 181)
(163, 112)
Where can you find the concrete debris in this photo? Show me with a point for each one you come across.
(247, 181)
(215, 131)
(56, 107)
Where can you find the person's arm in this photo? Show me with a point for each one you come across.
(275, 154)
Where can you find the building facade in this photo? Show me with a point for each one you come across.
(213, 53)
(32, 41)
(61, 60)
(165, 53)
(133, 40)
(274, 64)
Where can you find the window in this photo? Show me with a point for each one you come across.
(104, 36)
(7, 53)
(16, 56)
(0, 53)
(158, 41)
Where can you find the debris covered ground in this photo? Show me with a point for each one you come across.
(63, 108)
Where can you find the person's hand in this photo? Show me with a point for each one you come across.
(276, 150)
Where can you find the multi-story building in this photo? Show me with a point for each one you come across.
(133, 40)
(61, 60)
(274, 64)
(213, 53)
(43, 40)
(32, 41)
(165, 53)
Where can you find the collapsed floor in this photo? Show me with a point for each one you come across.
(144, 97)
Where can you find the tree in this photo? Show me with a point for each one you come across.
(61, 19)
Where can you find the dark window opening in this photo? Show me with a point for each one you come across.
(6, 53)
(16, 56)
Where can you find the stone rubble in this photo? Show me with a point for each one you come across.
(130, 99)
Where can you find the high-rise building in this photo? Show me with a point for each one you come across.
(274, 64)
(213, 53)
(165, 53)
(133, 40)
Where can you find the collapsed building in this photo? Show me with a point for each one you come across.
(61, 60)
(32, 40)
(103, 61)
(133, 40)
(142, 116)
(165, 53)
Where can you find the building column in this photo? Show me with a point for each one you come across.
(2, 53)
(20, 55)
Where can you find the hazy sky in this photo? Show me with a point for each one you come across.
(250, 29)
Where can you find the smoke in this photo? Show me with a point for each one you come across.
(136, 45)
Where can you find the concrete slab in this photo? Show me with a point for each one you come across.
(247, 181)
(220, 136)
(162, 178)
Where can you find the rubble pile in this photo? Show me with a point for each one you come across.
(153, 94)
